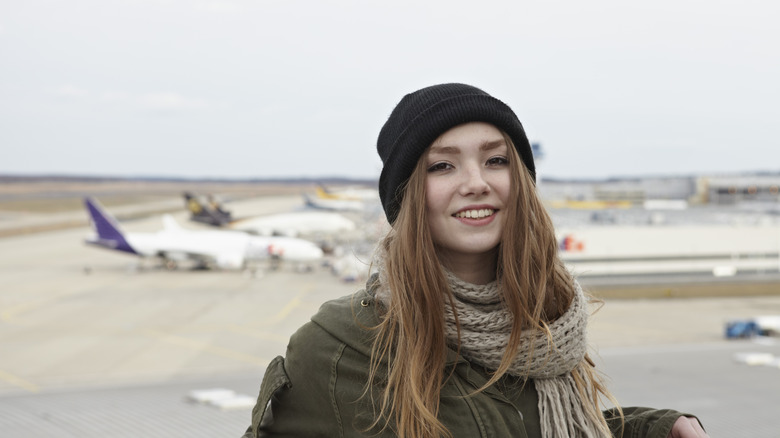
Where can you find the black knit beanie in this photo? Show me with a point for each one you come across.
(421, 117)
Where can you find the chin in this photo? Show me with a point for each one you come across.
(475, 249)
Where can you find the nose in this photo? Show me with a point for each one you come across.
(474, 182)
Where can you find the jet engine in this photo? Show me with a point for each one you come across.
(230, 261)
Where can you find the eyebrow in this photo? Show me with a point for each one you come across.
(485, 146)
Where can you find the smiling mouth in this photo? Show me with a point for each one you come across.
(475, 214)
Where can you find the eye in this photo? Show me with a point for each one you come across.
(498, 160)
(440, 166)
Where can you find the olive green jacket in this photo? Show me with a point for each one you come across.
(317, 390)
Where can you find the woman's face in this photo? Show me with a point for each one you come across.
(466, 191)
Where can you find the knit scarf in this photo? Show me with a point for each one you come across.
(485, 327)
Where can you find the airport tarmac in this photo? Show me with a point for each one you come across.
(91, 346)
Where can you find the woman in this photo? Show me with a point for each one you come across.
(473, 327)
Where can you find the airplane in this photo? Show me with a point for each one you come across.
(308, 223)
(314, 201)
(208, 248)
(348, 193)
(323, 199)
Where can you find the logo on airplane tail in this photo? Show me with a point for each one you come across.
(194, 206)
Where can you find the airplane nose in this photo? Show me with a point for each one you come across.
(315, 253)
(307, 253)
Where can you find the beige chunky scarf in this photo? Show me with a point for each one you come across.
(485, 326)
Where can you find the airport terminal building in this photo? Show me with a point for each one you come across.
(727, 189)
(705, 226)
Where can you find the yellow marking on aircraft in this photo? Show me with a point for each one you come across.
(322, 194)
(325, 195)
(18, 381)
(206, 347)
(194, 206)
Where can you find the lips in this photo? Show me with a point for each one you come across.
(475, 213)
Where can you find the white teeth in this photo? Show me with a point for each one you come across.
(475, 214)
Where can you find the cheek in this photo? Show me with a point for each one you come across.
(502, 187)
(432, 197)
(436, 206)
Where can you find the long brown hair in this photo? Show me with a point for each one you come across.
(410, 340)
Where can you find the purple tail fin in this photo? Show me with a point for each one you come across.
(108, 233)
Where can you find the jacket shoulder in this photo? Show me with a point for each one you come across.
(350, 319)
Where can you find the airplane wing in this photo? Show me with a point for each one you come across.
(170, 224)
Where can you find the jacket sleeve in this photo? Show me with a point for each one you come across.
(295, 396)
(642, 422)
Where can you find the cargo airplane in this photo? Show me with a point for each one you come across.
(208, 248)
(360, 200)
(348, 193)
(303, 223)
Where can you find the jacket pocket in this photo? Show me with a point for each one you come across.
(275, 379)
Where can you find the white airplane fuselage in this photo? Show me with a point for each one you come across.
(227, 249)
(295, 224)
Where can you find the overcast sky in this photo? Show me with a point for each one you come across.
(254, 88)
